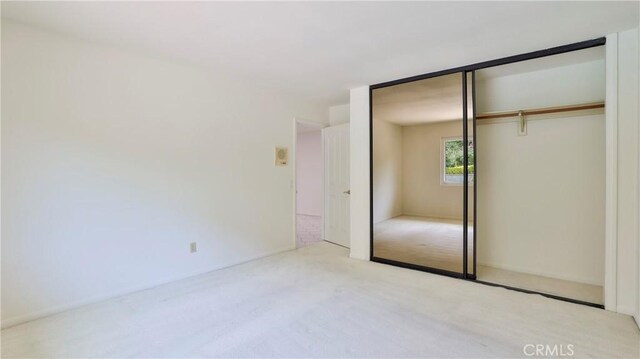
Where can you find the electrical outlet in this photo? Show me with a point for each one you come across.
(193, 247)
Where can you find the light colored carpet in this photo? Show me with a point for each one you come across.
(316, 302)
(308, 230)
(430, 242)
(437, 243)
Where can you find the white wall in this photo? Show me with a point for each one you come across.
(359, 174)
(309, 164)
(628, 281)
(423, 194)
(637, 95)
(339, 114)
(560, 86)
(541, 197)
(112, 163)
(636, 32)
(387, 171)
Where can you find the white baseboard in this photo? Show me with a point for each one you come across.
(10, 322)
(570, 278)
(393, 215)
(628, 311)
(358, 256)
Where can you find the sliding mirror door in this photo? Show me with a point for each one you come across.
(496, 172)
(418, 168)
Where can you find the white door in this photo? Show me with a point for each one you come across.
(336, 181)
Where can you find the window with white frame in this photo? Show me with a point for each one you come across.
(452, 169)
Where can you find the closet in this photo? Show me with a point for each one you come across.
(495, 172)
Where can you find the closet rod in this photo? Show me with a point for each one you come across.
(541, 111)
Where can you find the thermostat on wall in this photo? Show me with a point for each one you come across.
(282, 156)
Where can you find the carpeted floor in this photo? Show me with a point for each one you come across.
(437, 243)
(317, 302)
(429, 242)
(563, 288)
(308, 230)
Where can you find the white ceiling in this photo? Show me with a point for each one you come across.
(322, 49)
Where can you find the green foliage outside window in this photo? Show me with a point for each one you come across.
(454, 157)
(457, 170)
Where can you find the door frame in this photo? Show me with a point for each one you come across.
(611, 120)
(297, 121)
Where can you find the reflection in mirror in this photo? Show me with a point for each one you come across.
(417, 173)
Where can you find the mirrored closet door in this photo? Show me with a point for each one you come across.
(495, 172)
(418, 167)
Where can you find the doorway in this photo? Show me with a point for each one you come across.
(309, 173)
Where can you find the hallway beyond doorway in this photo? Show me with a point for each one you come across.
(308, 230)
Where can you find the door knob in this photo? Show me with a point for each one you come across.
(347, 191)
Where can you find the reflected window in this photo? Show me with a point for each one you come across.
(452, 172)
